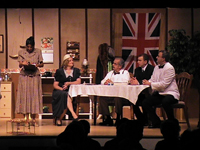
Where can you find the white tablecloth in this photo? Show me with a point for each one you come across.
(129, 92)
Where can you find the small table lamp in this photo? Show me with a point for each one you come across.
(85, 67)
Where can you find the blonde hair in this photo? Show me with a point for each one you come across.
(65, 62)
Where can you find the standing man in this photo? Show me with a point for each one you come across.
(165, 89)
(144, 71)
(118, 74)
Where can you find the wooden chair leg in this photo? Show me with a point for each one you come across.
(78, 103)
(186, 116)
(132, 112)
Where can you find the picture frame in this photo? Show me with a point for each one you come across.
(1, 43)
(73, 48)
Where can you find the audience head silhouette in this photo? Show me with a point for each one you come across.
(170, 129)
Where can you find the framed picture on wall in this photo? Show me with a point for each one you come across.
(73, 49)
(1, 43)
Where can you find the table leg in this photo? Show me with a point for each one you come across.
(95, 109)
(78, 104)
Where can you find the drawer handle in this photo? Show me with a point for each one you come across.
(4, 88)
(4, 104)
(4, 96)
(4, 113)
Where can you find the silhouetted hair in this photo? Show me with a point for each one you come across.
(145, 57)
(165, 54)
(133, 129)
(86, 126)
(170, 129)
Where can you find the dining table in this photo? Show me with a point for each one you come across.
(129, 92)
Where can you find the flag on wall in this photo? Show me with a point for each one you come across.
(141, 33)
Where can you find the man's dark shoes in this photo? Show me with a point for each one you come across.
(107, 122)
(76, 119)
(154, 126)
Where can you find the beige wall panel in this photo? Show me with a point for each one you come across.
(17, 32)
(117, 26)
(98, 32)
(73, 29)
(196, 19)
(179, 18)
(2, 31)
(46, 25)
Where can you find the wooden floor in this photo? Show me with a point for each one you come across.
(45, 135)
(46, 128)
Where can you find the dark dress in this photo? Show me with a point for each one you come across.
(99, 71)
(59, 102)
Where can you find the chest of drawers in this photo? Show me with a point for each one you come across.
(6, 100)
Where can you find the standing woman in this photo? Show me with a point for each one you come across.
(29, 95)
(64, 77)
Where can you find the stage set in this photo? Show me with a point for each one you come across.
(44, 136)
(80, 32)
(14, 135)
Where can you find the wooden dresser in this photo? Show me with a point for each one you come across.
(6, 103)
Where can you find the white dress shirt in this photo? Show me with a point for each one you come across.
(163, 81)
(144, 68)
(124, 76)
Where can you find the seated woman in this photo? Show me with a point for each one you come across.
(64, 77)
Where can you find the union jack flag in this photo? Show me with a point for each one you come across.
(141, 33)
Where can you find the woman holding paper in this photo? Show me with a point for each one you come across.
(29, 94)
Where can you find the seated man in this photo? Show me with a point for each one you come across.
(165, 89)
(118, 74)
(144, 71)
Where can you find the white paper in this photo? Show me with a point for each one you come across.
(47, 57)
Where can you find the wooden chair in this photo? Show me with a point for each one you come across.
(184, 81)
(88, 79)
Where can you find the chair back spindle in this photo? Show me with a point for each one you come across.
(184, 81)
